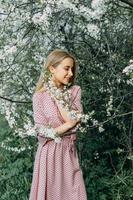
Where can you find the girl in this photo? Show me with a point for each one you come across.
(57, 112)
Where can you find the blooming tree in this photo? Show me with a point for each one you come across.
(26, 37)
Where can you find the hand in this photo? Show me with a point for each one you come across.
(73, 123)
(65, 113)
(62, 110)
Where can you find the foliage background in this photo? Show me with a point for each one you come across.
(99, 33)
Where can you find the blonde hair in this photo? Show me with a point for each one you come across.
(54, 59)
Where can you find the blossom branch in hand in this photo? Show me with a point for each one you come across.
(69, 115)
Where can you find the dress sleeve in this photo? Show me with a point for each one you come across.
(76, 100)
(76, 105)
(38, 114)
(40, 119)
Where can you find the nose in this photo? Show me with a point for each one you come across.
(70, 73)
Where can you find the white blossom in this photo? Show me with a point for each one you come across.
(9, 109)
(3, 14)
(93, 30)
(119, 150)
(96, 155)
(127, 70)
(130, 81)
(130, 157)
(101, 129)
(10, 49)
(2, 56)
(13, 149)
(96, 4)
(82, 129)
(38, 18)
(48, 132)
(109, 105)
(85, 118)
(74, 115)
(42, 18)
(95, 122)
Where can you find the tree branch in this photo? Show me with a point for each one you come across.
(129, 2)
(13, 101)
(109, 119)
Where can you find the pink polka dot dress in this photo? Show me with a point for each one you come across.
(56, 173)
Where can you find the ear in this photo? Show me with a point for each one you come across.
(51, 68)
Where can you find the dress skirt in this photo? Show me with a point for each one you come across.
(57, 174)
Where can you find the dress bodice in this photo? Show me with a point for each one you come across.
(45, 109)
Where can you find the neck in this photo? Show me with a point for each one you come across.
(57, 84)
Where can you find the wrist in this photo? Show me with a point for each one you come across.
(69, 124)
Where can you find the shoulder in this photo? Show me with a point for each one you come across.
(41, 90)
(39, 94)
(76, 88)
(76, 91)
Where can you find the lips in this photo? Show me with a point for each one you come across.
(67, 79)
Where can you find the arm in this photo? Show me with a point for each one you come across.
(76, 101)
(41, 124)
(63, 128)
(76, 105)
(65, 113)
(41, 120)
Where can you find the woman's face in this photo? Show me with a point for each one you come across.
(62, 74)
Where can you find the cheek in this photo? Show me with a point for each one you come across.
(62, 73)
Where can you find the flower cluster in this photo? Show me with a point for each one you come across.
(74, 115)
(63, 96)
(8, 50)
(129, 69)
(109, 106)
(19, 20)
(129, 72)
(14, 149)
(42, 130)
(39, 18)
(48, 132)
